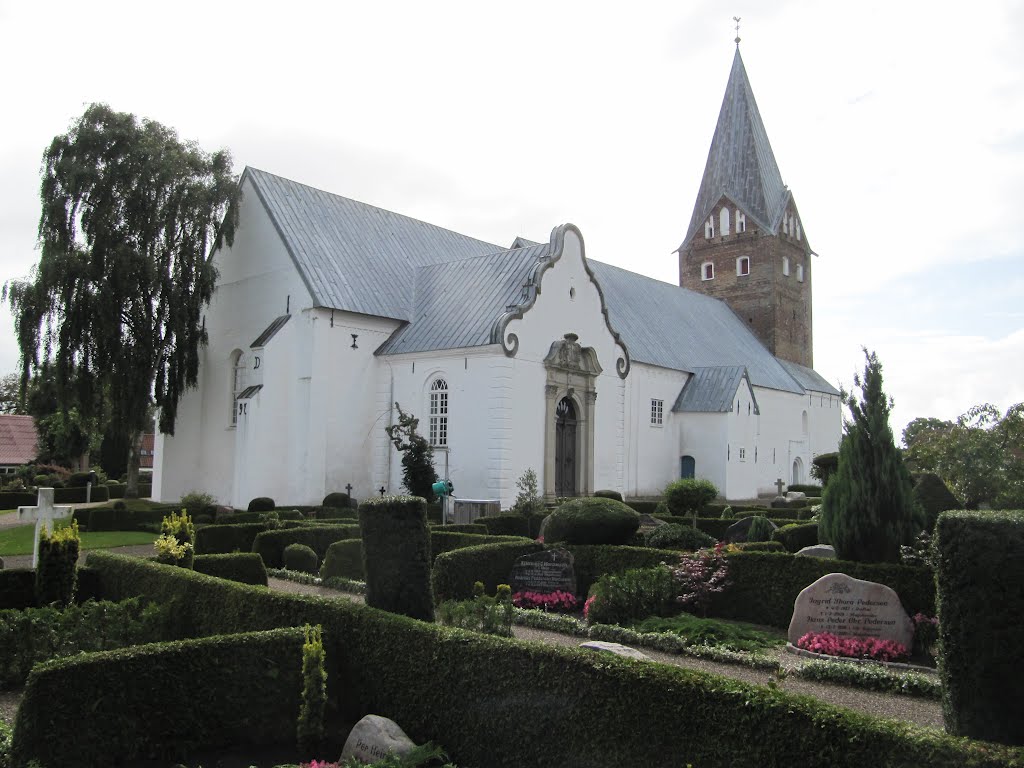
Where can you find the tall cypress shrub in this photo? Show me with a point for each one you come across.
(57, 569)
(396, 555)
(868, 505)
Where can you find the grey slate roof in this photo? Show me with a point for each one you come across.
(354, 256)
(672, 327)
(808, 378)
(740, 164)
(711, 390)
(457, 303)
(271, 330)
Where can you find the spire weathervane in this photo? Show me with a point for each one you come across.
(737, 20)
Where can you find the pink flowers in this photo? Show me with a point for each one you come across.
(550, 601)
(586, 607)
(319, 764)
(853, 647)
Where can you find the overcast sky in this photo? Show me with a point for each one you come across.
(899, 127)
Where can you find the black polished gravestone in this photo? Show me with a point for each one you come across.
(544, 572)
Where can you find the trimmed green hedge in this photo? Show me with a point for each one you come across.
(980, 578)
(162, 701)
(243, 567)
(643, 507)
(225, 539)
(461, 528)
(796, 536)
(593, 561)
(452, 685)
(513, 524)
(455, 572)
(591, 521)
(110, 519)
(396, 555)
(344, 560)
(764, 585)
(17, 588)
(270, 544)
(934, 497)
(239, 518)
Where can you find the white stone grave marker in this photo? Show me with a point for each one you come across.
(44, 513)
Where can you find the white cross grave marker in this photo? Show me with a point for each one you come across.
(43, 514)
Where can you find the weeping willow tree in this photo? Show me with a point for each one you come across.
(130, 216)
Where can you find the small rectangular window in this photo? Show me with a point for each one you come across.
(743, 454)
(707, 271)
(743, 266)
(657, 411)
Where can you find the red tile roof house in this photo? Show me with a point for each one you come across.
(17, 442)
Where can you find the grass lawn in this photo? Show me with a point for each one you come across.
(18, 540)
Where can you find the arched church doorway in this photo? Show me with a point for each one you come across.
(687, 467)
(798, 472)
(565, 447)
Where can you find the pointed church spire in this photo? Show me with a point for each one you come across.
(740, 163)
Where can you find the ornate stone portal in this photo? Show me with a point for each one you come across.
(571, 393)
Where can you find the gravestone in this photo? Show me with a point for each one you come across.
(615, 648)
(44, 513)
(795, 495)
(818, 550)
(544, 572)
(737, 532)
(847, 607)
(373, 738)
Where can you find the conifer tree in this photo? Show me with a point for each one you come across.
(868, 505)
(418, 474)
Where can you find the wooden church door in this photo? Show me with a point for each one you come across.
(565, 448)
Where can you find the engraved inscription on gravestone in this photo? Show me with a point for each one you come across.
(544, 572)
(847, 607)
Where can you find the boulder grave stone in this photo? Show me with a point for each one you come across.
(818, 550)
(544, 572)
(847, 607)
(373, 738)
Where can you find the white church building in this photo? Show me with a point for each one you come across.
(328, 311)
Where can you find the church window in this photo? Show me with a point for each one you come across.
(439, 413)
(723, 218)
(743, 454)
(709, 227)
(800, 273)
(785, 265)
(657, 412)
(707, 271)
(741, 222)
(237, 375)
(743, 265)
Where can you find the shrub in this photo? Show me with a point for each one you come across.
(796, 536)
(591, 521)
(270, 544)
(823, 466)
(243, 567)
(607, 494)
(177, 543)
(506, 525)
(980, 597)
(527, 499)
(674, 536)
(689, 495)
(934, 497)
(454, 573)
(868, 505)
(56, 576)
(760, 529)
(344, 559)
(396, 555)
(759, 546)
(418, 473)
(489, 615)
(620, 598)
(310, 727)
(592, 561)
(646, 507)
(299, 557)
(261, 504)
(699, 577)
(337, 499)
(196, 503)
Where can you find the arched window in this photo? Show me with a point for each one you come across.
(785, 265)
(709, 227)
(803, 423)
(707, 271)
(741, 221)
(743, 265)
(723, 219)
(439, 413)
(237, 382)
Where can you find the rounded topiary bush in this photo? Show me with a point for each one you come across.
(689, 495)
(679, 537)
(337, 499)
(262, 504)
(760, 529)
(606, 494)
(591, 521)
(299, 557)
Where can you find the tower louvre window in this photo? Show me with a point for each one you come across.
(800, 272)
(709, 227)
(785, 265)
(723, 218)
(707, 271)
(741, 221)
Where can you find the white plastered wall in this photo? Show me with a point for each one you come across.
(652, 451)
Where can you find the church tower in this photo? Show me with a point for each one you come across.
(746, 243)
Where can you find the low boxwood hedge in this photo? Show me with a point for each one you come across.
(461, 528)
(243, 567)
(506, 525)
(450, 685)
(344, 560)
(796, 536)
(455, 572)
(225, 539)
(764, 585)
(110, 519)
(270, 544)
(595, 560)
(643, 506)
(162, 701)
(591, 521)
(237, 518)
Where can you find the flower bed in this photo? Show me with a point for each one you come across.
(852, 647)
(562, 602)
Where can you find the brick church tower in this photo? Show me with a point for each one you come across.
(746, 244)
